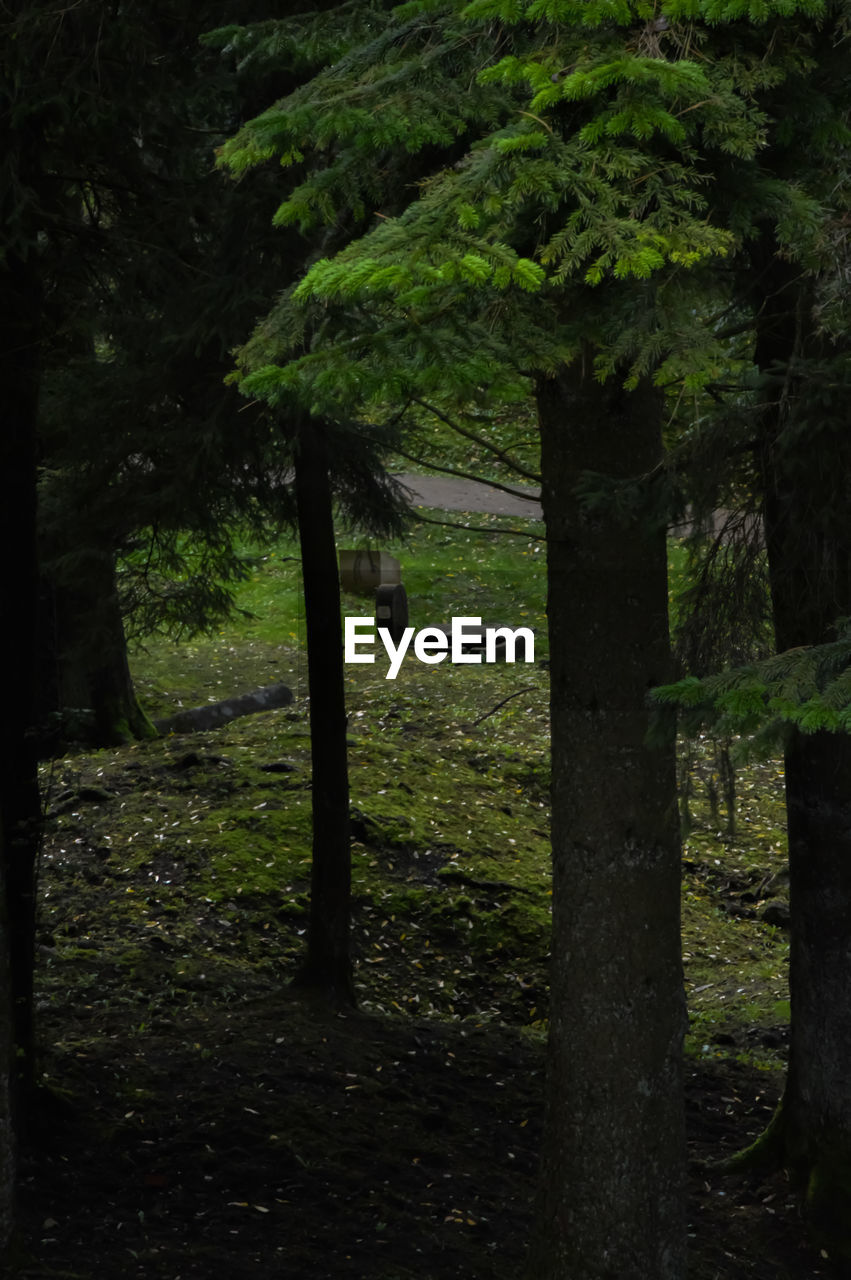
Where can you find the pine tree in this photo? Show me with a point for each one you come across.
(146, 463)
(153, 469)
(800, 701)
(787, 289)
(802, 354)
(104, 225)
(566, 225)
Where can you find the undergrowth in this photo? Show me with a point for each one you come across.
(182, 864)
(212, 1121)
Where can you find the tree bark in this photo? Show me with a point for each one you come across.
(20, 804)
(816, 1107)
(7, 1060)
(213, 715)
(327, 967)
(87, 694)
(611, 1199)
(804, 457)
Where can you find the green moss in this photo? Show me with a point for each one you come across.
(207, 851)
(85, 954)
(125, 721)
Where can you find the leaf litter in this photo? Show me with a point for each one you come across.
(200, 1119)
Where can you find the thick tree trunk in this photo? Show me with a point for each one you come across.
(612, 1190)
(816, 1108)
(88, 693)
(20, 805)
(805, 461)
(327, 967)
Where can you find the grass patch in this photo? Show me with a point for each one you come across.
(174, 900)
(204, 842)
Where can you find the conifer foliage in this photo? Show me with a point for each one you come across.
(588, 177)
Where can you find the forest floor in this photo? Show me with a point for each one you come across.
(262, 1139)
(200, 1120)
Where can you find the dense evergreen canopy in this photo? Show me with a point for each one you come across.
(634, 212)
(658, 186)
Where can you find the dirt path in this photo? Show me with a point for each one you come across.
(452, 494)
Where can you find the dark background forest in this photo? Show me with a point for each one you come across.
(521, 969)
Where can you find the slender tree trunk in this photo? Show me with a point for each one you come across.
(612, 1186)
(20, 806)
(7, 1058)
(805, 461)
(327, 967)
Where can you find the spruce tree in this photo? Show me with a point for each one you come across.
(112, 380)
(799, 702)
(581, 165)
(786, 292)
(146, 463)
(153, 468)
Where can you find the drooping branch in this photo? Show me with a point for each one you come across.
(482, 528)
(468, 475)
(484, 443)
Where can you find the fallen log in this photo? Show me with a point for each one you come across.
(216, 714)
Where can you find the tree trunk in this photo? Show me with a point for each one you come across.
(88, 695)
(327, 967)
(816, 1108)
(7, 1059)
(20, 805)
(805, 462)
(611, 1201)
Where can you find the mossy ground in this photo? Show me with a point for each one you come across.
(214, 1124)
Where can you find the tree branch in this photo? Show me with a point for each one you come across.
(529, 688)
(482, 528)
(504, 457)
(467, 475)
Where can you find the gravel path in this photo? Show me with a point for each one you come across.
(451, 494)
